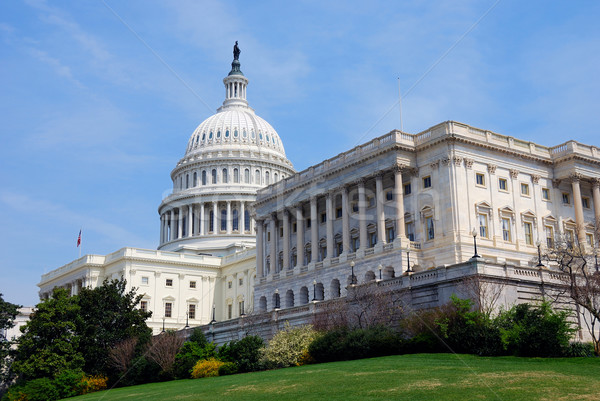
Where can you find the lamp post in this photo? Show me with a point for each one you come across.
(314, 291)
(474, 234)
(353, 277)
(539, 246)
(213, 321)
(276, 299)
(408, 270)
(380, 268)
(163, 330)
(187, 315)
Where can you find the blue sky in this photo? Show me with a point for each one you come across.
(99, 98)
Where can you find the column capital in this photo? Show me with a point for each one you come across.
(555, 183)
(491, 168)
(514, 173)
(399, 167)
(575, 177)
(457, 160)
(274, 216)
(360, 181)
(313, 199)
(535, 178)
(379, 175)
(446, 161)
(469, 163)
(435, 164)
(286, 213)
(595, 182)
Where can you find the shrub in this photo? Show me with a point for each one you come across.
(288, 346)
(528, 330)
(228, 368)
(206, 368)
(245, 353)
(142, 371)
(198, 337)
(34, 390)
(188, 355)
(579, 349)
(89, 384)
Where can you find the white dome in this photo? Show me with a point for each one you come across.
(236, 126)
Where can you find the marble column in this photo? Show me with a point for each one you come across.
(575, 179)
(330, 216)
(242, 218)
(286, 240)
(171, 219)
(299, 237)
(380, 212)
(202, 219)
(179, 222)
(260, 257)
(362, 215)
(596, 194)
(314, 233)
(190, 221)
(162, 228)
(215, 218)
(399, 203)
(345, 222)
(273, 243)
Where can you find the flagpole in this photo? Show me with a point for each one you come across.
(80, 242)
(400, 104)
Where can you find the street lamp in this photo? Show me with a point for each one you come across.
(163, 330)
(474, 234)
(539, 246)
(408, 270)
(187, 315)
(276, 298)
(380, 268)
(213, 321)
(353, 277)
(314, 291)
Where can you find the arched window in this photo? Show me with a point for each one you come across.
(267, 178)
(224, 177)
(262, 304)
(319, 294)
(195, 179)
(214, 176)
(223, 219)
(334, 288)
(257, 177)
(247, 176)
(235, 222)
(203, 177)
(289, 299)
(236, 176)
(303, 296)
(246, 220)
(211, 221)
(275, 177)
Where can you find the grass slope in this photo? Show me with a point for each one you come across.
(408, 377)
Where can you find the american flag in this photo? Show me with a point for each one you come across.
(79, 239)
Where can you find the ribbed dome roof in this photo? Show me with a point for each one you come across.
(235, 125)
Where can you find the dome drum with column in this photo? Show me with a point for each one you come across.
(229, 157)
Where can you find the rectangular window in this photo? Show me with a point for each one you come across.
(506, 235)
(480, 179)
(241, 281)
(192, 311)
(371, 201)
(145, 280)
(338, 213)
(389, 195)
(355, 243)
(229, 285)
(569, 237)
(590, 239)
(323, 218)
(390, 234)
(169, 282)
(372, 239)
(483, 225)
(144, 306)
(192, 284)
(524, 189)
(168, 309)
(528, 233)
(545, 194)
(427, 182)
(566, 198)
(549, 236)
(354, 206)
(410, 230)
(407, 189)
(229, 311)
(502, 184)
(307, 223)
(585, 202)
(241, 308)
(430, 228)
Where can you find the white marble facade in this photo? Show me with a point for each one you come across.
(364, 209)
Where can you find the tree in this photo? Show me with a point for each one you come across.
(581, 278)
(50, 343)
(163, 349)
(108, 316)
(8, 313)
(484, 292)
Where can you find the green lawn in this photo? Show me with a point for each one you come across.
(408, 377)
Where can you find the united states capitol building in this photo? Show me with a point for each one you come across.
(244, 233)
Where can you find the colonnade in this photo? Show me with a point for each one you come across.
(284, 217)
(228, 217)
(578, 203)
